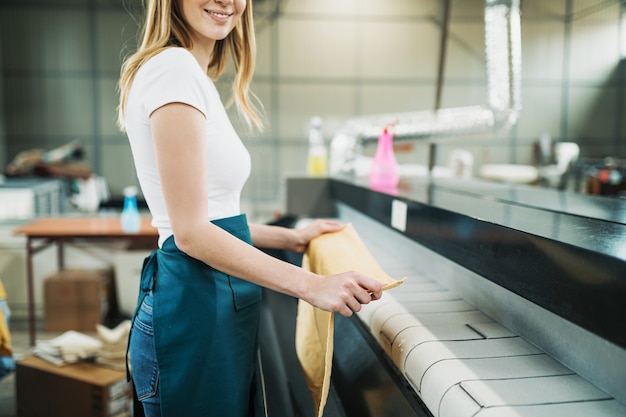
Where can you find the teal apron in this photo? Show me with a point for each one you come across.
(205, 331)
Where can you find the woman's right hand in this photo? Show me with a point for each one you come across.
(343, 293)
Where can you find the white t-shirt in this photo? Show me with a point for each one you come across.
(172, 76)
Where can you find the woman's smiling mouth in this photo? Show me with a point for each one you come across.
(219, 15)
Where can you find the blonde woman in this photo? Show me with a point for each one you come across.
(193, 343)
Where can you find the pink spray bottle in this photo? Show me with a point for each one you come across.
(384, 174)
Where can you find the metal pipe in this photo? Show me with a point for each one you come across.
(445, 29)
(503, 73)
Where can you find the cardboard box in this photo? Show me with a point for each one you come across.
(77, 299)
(82, 390)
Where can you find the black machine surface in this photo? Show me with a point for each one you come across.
(548, 265)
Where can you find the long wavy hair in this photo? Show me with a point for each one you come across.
(165, 27)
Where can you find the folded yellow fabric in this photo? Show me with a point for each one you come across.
(5, 335)
(329, 254)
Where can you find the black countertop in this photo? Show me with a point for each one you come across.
(563, 251)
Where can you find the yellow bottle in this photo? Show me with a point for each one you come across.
(317, 165)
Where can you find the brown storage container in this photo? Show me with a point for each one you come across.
(81, 389)
(77, 299)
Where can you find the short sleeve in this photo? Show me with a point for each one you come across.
(174, 76)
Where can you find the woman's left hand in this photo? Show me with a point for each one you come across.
(304, 235)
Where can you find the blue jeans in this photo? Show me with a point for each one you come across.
(144, 368)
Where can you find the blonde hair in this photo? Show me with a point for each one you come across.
(165, 27)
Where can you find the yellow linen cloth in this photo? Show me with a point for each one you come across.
(5, 335)
(328, 254)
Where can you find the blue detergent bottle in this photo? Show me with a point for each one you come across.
(130, 218)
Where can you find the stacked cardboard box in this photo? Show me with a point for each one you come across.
(77, 299)
(80, 389)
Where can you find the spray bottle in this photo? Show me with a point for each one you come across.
(384, 174)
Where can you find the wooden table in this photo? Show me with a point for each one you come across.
(44, 232)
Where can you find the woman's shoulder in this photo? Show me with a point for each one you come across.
(170, 64)
(172, 56)
(172, 74)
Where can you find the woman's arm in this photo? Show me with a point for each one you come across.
(178, 132)
(277, 237)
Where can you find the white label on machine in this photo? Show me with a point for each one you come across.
(398, 215)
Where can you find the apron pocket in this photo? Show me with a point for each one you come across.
(245, 293)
